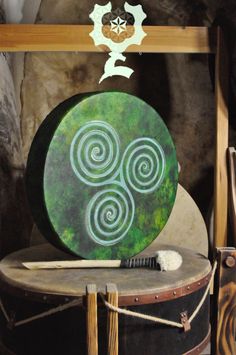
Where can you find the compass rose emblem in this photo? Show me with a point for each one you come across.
(117, 30)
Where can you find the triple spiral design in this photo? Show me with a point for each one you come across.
(96, 160)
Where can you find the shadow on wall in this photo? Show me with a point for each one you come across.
(15, 221)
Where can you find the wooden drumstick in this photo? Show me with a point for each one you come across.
(164, 260)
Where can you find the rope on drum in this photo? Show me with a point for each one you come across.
(77, 302)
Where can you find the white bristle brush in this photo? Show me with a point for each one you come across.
(164, 260)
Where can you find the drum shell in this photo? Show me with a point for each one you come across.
(65, 332)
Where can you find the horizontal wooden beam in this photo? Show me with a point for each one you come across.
(75, 38)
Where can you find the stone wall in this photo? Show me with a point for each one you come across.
(15, 221)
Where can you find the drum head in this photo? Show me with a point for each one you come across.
(72, 282)
(102, 175)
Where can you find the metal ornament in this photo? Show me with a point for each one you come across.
(117, 30)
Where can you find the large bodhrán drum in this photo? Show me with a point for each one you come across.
(102, 175)
(148, 291)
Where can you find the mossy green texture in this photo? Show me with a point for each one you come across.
(67, 197)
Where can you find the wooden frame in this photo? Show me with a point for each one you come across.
(223, 319)
(92, 321)
(159, 39)
(232, 192)
(112, 320)
(222, 138)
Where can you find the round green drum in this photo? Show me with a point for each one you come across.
(102, 175)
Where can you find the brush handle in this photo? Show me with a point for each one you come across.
(74, 264)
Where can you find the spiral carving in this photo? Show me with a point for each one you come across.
(94, 153)
(110, 214)
(95, 159)
(143, 165)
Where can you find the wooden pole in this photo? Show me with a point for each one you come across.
(232, 192)
(112, 320)
(159, 39)
(92, 326)
(222, 127)
(224, 307)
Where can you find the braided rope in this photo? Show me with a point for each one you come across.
(161, 320)
(205, 294)
(57, 309)
(4, 311)
(140, 315)
(78, 302)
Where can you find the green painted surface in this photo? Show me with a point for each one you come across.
(110, 176)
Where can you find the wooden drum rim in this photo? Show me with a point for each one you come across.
(124, 300)
(169, 295)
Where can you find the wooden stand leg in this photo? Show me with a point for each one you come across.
(222, 142)
(92, 327)
(112, 320)
(223, 332)
(232, 192)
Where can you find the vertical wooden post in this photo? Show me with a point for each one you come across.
(92, 327)
(224, 307)
(221, 182)
(112, 320)
(232, 192)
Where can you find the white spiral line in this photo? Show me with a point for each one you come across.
(156, 156)
(121, 216)
(110, 212)
(99, 167)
